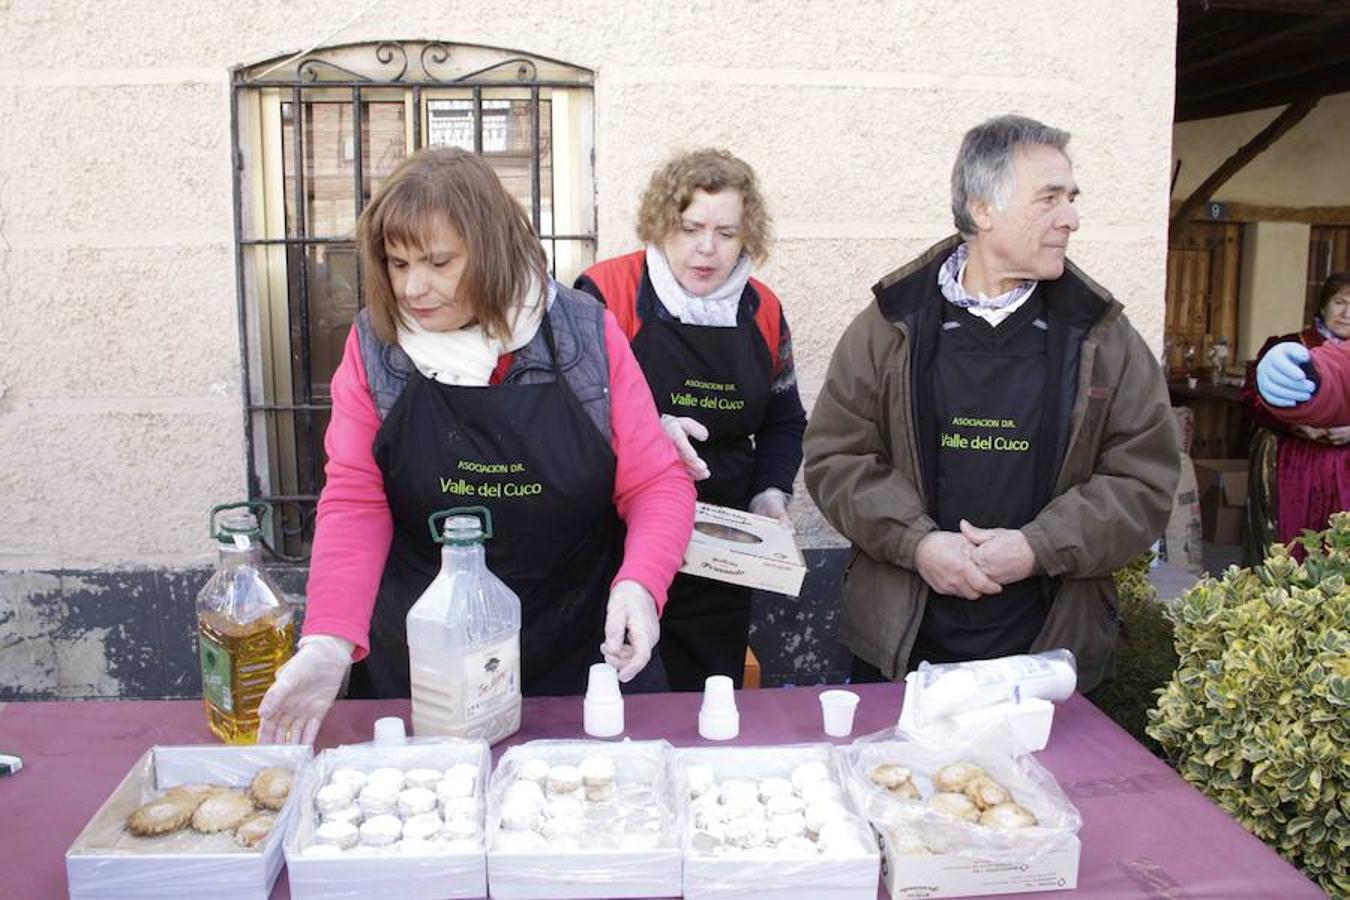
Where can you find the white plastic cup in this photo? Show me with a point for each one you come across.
(390, 732)
(602, 710)
(837, 708)
(718, 719)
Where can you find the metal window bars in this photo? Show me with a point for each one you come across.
(312, 136)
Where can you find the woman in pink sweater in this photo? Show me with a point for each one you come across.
(472, 377)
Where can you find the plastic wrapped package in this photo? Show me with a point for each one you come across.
(434, 864)
(107, 861)
(584, 819)
(938, 692)
(813, 841)
(923, 845)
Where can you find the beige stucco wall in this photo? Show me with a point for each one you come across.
(1271, 285)
(1306, 167)
(120, 408)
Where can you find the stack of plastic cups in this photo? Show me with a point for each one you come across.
(602, 710)
(390, 732)
(718, 719)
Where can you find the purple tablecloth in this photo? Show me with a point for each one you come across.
(1146, 833)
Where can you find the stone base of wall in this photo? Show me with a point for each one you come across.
(131, 634)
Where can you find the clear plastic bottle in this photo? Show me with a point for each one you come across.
(464, 639)
(245, 626)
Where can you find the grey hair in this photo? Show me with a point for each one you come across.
(983, 169)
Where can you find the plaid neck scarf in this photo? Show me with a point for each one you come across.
(949, 282)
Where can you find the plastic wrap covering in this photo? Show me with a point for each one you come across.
(941, 691)
(911, 826)
(573, 819)
(108, 861)
(435, 866)
(803, 837)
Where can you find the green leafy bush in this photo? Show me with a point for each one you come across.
(1258, 712)
(1144, 655)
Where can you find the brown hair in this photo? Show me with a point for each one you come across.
(672, 188)
(446, 185)
(1335, 283)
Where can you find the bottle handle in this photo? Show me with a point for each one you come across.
(257, 507)
(435, 519)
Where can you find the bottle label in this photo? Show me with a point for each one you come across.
(216, 674)
(491, 674)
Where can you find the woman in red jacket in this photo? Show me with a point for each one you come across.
(715, 348)
(1302, 472)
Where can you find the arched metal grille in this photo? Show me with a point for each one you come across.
(314, 136)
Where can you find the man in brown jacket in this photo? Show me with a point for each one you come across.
(993, 435)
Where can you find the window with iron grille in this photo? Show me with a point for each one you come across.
(314, 137)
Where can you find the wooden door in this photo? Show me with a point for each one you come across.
(1202, 291)
(1328, 252)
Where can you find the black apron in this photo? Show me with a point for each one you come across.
(995, 454)
(720, 377)
(532, 456)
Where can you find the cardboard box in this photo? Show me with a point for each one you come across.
(768, 874)
(1222, 485)
(391, 875)
(588, 874)
(106, 863)
(950, 875)
(738, 547)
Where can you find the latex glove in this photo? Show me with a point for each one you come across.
(1280, 377)
(680, 429)
(773, 503)
(306, 686)
(631, 614)
(943, 559)
(1001, 553)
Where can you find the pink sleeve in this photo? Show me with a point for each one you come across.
(652, 491)
(1330, 406)
(354, 527)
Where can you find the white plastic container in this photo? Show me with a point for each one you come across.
(464, 639)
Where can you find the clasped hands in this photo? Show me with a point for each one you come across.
(974, 562)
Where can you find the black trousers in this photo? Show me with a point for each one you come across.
(705, 629)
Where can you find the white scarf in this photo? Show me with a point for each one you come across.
(467, 356)
(717, 309)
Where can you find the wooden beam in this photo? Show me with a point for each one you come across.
(1291, 7)
(1254, 45)
(1292, 115)
(1259, 212)
(1321, 82)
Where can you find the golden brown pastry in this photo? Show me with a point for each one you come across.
(952, 778)
(193, 794)
(906, 790)
(889, 775)
(161, 816)
(254, 830)
(985, 792)
(270, 787)
(222, 811)
(958, 806)
(1008, 816)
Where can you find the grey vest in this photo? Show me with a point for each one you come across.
(578, 325)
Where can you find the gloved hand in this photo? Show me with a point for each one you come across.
(631, 612)
(306, 686)
(680, 429)
(1279, 376)
(773, 503)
